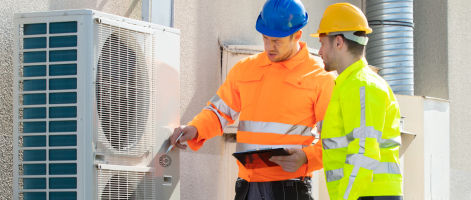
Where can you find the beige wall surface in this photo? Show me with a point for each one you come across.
(204, 24)
(413, 160)
(426, 167)
(459, 85)
(128, 8)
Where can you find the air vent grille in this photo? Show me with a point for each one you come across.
(123, 89)
(125, 185)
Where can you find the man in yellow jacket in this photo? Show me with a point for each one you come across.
(360, 133)
(278, 95)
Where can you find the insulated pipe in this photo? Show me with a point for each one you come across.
(391, 45)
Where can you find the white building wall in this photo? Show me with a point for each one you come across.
(459, 84)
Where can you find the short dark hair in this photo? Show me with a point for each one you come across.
(352, 46)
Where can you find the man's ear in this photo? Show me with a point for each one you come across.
(339, 42)
(298, 34)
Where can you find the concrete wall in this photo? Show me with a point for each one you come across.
(203, 24)
(459, 84)
(128, 8)
(431, 48)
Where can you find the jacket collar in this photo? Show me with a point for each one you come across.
(350, 69)
(290, 64)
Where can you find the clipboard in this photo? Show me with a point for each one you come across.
(259, 158)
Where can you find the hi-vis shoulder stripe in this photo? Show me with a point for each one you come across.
(274, 127)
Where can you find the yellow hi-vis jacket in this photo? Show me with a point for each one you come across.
(361, 136)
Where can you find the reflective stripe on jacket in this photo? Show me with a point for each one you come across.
(361, 136)
(277, 104)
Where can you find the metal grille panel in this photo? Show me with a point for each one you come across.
(125, 185)
(123, 90)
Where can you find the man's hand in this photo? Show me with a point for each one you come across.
(292, 162)
(189, 132)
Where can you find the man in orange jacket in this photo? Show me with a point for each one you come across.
(278, 95)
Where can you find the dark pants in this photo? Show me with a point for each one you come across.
(275, 190)
(381, 198)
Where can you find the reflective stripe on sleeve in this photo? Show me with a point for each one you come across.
(381, 168)
(222, 120)
(274, 127)
(247, 147)
(362, 161)
(367, 132)
(335, 143)
(342, 142)
(223, 107)
(387, 168)
(388, 143)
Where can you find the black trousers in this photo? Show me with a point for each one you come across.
(275, 190)
(381, 198)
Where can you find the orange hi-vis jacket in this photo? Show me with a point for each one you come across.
(278, 103)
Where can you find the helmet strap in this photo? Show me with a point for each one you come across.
(363, 40)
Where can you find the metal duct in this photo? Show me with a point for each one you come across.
(391, 45)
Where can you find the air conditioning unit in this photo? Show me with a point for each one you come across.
(96, 97)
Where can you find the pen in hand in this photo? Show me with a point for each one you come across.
(171, 145)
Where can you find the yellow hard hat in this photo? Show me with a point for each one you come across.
(341, 17)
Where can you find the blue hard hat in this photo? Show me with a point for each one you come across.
(281, 18)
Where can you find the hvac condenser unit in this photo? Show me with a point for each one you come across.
(96, 97)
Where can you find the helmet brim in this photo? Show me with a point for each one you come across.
(367, 31)
(315, 35)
